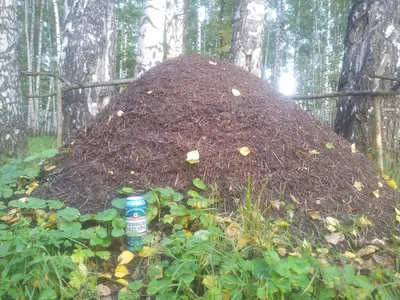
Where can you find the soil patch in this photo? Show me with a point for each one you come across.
(187, 104)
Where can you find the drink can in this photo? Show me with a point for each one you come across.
(136, 225)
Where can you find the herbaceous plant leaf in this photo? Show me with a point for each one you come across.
(197, 182)
(107, 215)
(125, 257)
(329, 145)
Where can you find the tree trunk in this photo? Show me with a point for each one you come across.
(57, 79)
(88, 54)
(12, 119)
(247, 35)
(174, 28)
(150, 45)
(373, 33)
(279, 42)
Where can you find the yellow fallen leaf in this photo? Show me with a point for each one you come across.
(244, 151)
(335, 237)
(193, 157)
(332, 224)
(385, 176)
(83, 270)
(147, 251)
(282, 251)
(125, 257)
(391, 183)
(397, 211)
(212, 63)
(110, 172)
(367, 250)
(364, 222)
(132, 172)
(150, 92)
(353, 148)
(233, 231)
(242, 243)
(49, 168)
(282, 224)
(376, 193)
(350, 255)
(122, 281)
(226, 295)
(397, 218)
(223, 220)
(73, 142)
(313, 151)
(210, 281)
(235, 92)
(380, 184)
(32, 187)
(120, 113)
(103, 290)
(104, 275)
(121, 271)
(315, 215)
(358, 185)
(353, 232)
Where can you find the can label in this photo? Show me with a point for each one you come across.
(136, 224)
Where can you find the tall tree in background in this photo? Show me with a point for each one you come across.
(174, 27)
(247, 33)
(12, 122)
(151, 37)
(372, 48)
(279, 42)
(88, 54)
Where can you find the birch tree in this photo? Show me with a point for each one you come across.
(88, 52)
(151, 37)
(174, 27)
(372, 48)
(12, 122)
(247, 35)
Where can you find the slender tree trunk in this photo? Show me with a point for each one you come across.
(373, 33)
(279, 42)
(247, 35)
(12, 121)
(88, 55)
(38, 104)
(198, 26)
(150, 45)
(31, 103)
(174, 28)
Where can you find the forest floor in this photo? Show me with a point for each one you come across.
(244, 133)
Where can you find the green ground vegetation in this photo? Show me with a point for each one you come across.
(192, 250)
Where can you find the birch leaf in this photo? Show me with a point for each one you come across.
(376, 193)
(332, 224)
(125, 257)
(150, 92)
(397, 211)
(212, 63)
(315, 215)
(49, 168)
(124, 282)
(121, 271)
(147, 251)
(193, 157)
(235, 92)
(210, 281)
(313, 151)
(364, 222)
(104, 275)
(367, 250)
(350, 255)
(120, 113)
(335, 237)
(353, 148)
(358, 185)
(32, 187)
(244, 151)
(391, 183)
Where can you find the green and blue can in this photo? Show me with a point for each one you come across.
(136, 224)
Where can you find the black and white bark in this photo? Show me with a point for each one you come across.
(247, 35)
(150, 50)
(279, 42)
(373, 33)
(12, 120)
(87, 55)
(174, 27)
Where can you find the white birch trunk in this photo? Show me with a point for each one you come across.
(12, 122)
(198, 27)
(38, 103)
(31, 103)
(247, 35)
(59, 118)
(174, 28)
(150, 45)
(88, 55)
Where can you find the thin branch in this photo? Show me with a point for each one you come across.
(75, 86)
(385, 78)
(41, 96)
(344, 94)
(38, 74)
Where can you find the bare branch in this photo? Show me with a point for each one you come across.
(38, 74)
(75, 86)
(41, 96)
(344, 94)
(385, 78)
